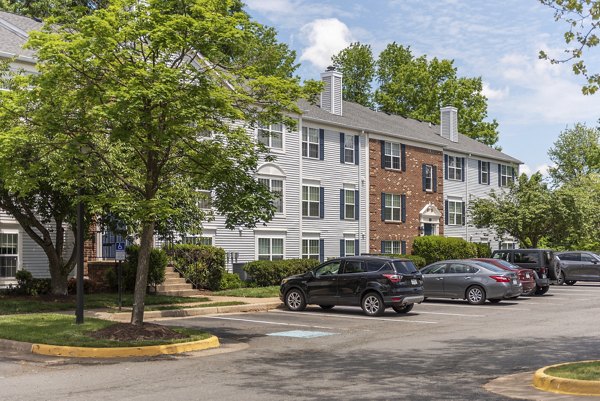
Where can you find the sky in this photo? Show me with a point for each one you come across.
(497, 40)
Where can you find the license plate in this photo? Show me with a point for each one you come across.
(527, 275)
(514, 282)
(543, 276)
(414, 282)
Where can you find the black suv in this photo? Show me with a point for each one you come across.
(372, 282)
(541, 261)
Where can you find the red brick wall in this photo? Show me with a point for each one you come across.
(97, 272)
(407, 182)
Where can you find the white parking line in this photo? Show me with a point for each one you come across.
(447, 314)
(267, 322)
(356, 317)
(507, 308)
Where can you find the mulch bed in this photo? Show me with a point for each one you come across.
(130, 332)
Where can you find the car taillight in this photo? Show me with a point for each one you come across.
(501, 279)
(394, 278)
(543, 270)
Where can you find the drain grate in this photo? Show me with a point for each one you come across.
(301, 334)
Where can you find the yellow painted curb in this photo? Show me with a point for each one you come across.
(554, 384)
(119, 352)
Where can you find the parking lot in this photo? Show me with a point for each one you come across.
(442, 350)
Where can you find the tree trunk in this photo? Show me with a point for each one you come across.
(141, 279)
(58, 278)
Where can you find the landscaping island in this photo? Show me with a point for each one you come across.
(577, 378)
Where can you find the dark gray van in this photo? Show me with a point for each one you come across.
(541, 261)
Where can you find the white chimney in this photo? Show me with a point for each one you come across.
(331, 97)
(449, 123)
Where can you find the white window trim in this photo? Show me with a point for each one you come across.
(391, 242)
(271, 238)
(283, 188)
(487, 173)
(15, 255)
(505, 175)
(346, 241)
(454, 168)
(212, 237)
(392, 156)
(353, 204)
(309, 201)
(318, 239)
(399, 207)
(308, 143)
(353, 148)
(459, 213)
(269, 128)
(429, 169)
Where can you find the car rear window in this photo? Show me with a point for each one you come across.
(377, 265)
(491, 267)
(526, 257)
(507, 264)
(406, 267)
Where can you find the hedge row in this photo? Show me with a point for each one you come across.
(203, 265)
(434, 248)
(270, 272)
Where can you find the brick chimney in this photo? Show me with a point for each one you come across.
(449, 123)
(331, 97)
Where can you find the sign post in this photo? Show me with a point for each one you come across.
(120, 257)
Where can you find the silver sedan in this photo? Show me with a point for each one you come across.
(470, 280)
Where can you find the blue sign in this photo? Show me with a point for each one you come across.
(119, 246)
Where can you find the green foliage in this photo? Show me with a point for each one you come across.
(582, 18)
(89, 286)
(28, 285)
(358, 66)
(230, 281)
(434, 248)
(203, 265)
(417, 87)
(419, 261)
(575, 153)
(525, 211)
(265, 273)
(483, 250)
(156, 272)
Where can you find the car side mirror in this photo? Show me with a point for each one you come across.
(310, 274)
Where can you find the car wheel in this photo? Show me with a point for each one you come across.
(560, 280)
(326, 307)
(570, 282)
(541, 290)
(403, 309)
(372, 304)
(294, 300)
(476, 295)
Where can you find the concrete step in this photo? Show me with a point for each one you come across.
(170, 281)
(180, 293)
(172, 274)
(174, 287)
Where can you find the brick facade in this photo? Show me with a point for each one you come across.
(409, 183)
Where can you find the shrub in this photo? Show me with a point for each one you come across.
(270, 272)
(203, 265)
(27, 285)
(230, 281)
(483, 250)
(156, 270)
(89, 286)
(417, 260)
(433, 248)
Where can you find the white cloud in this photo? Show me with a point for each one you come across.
(272, 6)
(325, 37)
(494, 94)
(542, 168)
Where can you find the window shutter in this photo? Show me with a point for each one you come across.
(356, 205)
(322, 203)
(342, 139)
(499, 175)
(356, 149)
(403, 155)
(424, 176)
(342, 208)
(479, 170)
(383, 206)
(464, 213)
(321, 144)
(403, 247)
(382, 154)
(489, 169)
(356, 247)
(464, 168)
(446, 167)
(434, 178)
(446, 212)
(342, 247)
(322, 250)
(403, 207)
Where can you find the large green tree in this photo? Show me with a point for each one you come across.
(582, 18)
(575, 154)
(417, 87)
(524, 211)
(357, 64)
(42, 9)
(160, 94)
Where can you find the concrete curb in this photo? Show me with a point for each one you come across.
(124, 352)
(544, 381)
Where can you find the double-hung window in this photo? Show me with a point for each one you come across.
(391, 247)
(271, 135)
(311, 201)
(310, 142)
(197, 240)
(349, 203)
(276, 188)
(349, 150)
(392, 207)
(349, 247)
(311, 249)
(506, 175)
(484, 172)
(270, 248)
(428, 177)
(455, 213)
(392, 155)
(205, 200)
(455, 168)
(8, 254)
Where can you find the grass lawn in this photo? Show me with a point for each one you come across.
(55, 329)
(10, 305)
(578, 370)
(258, 292)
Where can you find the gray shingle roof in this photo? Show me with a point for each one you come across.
(13, 30)
(362, 118)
